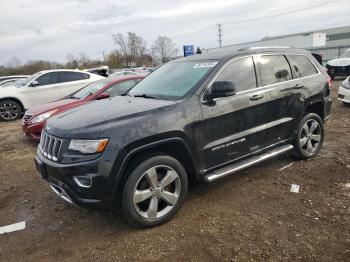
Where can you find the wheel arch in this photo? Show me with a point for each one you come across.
(316, 107)
(176, 147)
(15, 100)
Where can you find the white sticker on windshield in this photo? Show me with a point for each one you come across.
(205, 65)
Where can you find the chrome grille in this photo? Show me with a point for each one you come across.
(26, 118)
(50, 146)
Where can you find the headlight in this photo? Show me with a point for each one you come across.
(43, 117)
(88, 146)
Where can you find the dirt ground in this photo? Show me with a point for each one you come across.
(248, 216)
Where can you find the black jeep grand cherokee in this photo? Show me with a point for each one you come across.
(198, 118)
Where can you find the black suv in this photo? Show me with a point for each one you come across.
(197, 118)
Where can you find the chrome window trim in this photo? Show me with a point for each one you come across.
(259, 88)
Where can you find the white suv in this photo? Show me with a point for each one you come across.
(41, 88)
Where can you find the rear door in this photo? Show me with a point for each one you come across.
(72, 81)
(235, 126)
(47, 90)
(284, 97)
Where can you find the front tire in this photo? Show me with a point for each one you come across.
(310, 136)
(154, 191)
(9, 110)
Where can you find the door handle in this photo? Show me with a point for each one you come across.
(256, 97)
(297, 86)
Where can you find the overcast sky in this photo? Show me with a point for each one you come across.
(43, 29)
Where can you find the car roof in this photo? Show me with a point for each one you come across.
(15, 76)
(63, 70)
(224, 54)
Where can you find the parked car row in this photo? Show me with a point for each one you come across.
(35, 118)
(40, 88)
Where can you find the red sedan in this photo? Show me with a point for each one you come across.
(35, 118)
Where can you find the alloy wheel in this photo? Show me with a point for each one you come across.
(157, 192)
(9, 111)
(311, 136)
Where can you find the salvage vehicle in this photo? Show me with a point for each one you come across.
(41, 88)
(199, 118)
(344, 91)
(35, 118)
(339, 66)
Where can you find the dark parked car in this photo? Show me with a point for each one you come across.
(202, 117)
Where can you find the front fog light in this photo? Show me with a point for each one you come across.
(83, 181)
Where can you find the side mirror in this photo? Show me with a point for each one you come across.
(103, 96)
(221, 89)
(34, 83)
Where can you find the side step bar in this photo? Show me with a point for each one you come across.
(220, 173)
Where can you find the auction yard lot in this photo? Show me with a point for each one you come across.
(250, 215)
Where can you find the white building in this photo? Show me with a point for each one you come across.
(328, 42)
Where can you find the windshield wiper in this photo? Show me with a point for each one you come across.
(73, 97)
(145, 96)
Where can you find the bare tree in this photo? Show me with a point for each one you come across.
(132, 47)
(14, 63)
(163, 48)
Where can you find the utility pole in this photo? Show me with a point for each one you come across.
(220, 35)
(104, 57)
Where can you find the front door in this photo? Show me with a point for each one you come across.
(47, 90)
(235, 126)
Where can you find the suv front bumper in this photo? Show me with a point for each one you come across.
(61, 180)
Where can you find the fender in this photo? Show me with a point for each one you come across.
(127, 155)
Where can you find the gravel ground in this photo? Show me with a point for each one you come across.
(248, 216)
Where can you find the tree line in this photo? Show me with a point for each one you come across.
(131, 51)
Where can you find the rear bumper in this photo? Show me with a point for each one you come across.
(344, 94)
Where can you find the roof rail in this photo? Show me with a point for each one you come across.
(262, 47)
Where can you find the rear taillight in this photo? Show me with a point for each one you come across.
(327, 88)
(330, 82)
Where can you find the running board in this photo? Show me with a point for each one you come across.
(220, 173)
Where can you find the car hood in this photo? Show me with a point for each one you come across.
(62, 105)
(339, 62)
(90, 120)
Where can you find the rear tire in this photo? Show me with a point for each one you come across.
(310, 136)
(9, 110)
(154, 191)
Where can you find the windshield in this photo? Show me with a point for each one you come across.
(27, 80)
(345, 54)
(90, 89)
(172, 80)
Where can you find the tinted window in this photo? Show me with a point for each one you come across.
(48, 79)
(84, 76)
(69, 76)
(301, 66)
(90, 89)
(241, 72)
(120, 88)
(274, 69)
